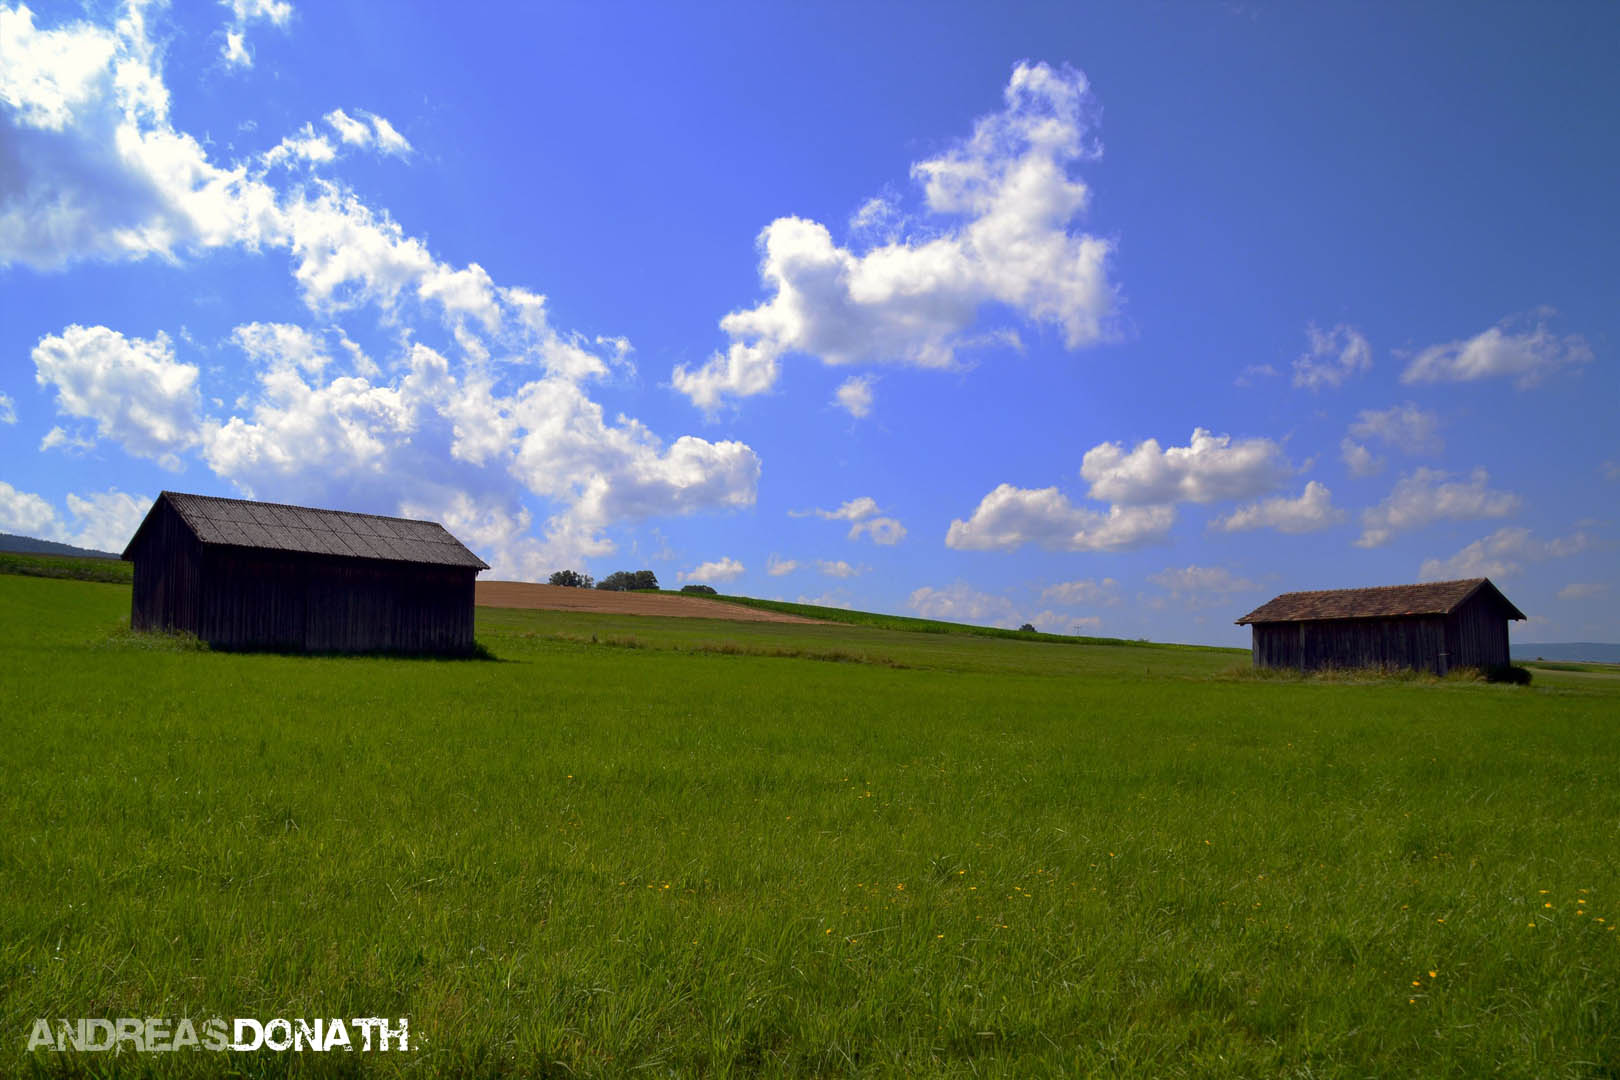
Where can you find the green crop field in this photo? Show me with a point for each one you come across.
(632, 847)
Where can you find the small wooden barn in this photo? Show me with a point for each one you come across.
(251, 575)
(1434, 627)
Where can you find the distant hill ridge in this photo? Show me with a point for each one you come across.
(1595, 652)
(29, 545)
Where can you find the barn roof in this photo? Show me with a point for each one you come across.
(277, 527)
(1385, 601)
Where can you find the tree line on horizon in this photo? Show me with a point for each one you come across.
(618, 581)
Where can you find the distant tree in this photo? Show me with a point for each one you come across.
(706, 590)
(1027, 626)
(572, 579)
(625, 580)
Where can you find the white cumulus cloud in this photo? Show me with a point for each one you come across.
(1501, 554)
(1358, 459)
(1581, 590)
(1522, 347)
(854, 395)
(97, 171)
(1312, 511)
(1001, 206)
(350, 130)
(478, 431)
(303, 145)
(1010, 517)
(389, 140)
(853, 510)
(1208, 469)
(724, 568)
(886, 531)
(280, 345)
(134, 389)
(103, 521)
(965, 604)
(865, 517)
(234, 52)
(838, 568)
(365, 130)
(1428, 495)
(1406, 427)
(48, 76)
(777, 567)
(25, 513)
(8, 411)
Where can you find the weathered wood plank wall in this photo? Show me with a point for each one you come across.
(245, 598)
(1351, 643)
(165, 594)
(257, 599)
(1477, 635)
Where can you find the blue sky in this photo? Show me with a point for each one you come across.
(1114, 318)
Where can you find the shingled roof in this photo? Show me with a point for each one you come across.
(1382, 602)
(277, 527)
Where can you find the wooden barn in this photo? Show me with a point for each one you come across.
(250, 575)
(1435, 627)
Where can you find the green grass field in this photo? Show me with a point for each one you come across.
(635, 846)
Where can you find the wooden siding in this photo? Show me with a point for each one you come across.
(1477, 634)
(1414, 642)
(165, 596)
(257, 599)
(357, 607)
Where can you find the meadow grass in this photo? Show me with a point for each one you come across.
(689, 851)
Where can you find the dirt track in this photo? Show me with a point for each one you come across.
(522, 594)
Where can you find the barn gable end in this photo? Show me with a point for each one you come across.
(246, 575)
(1433, 627)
